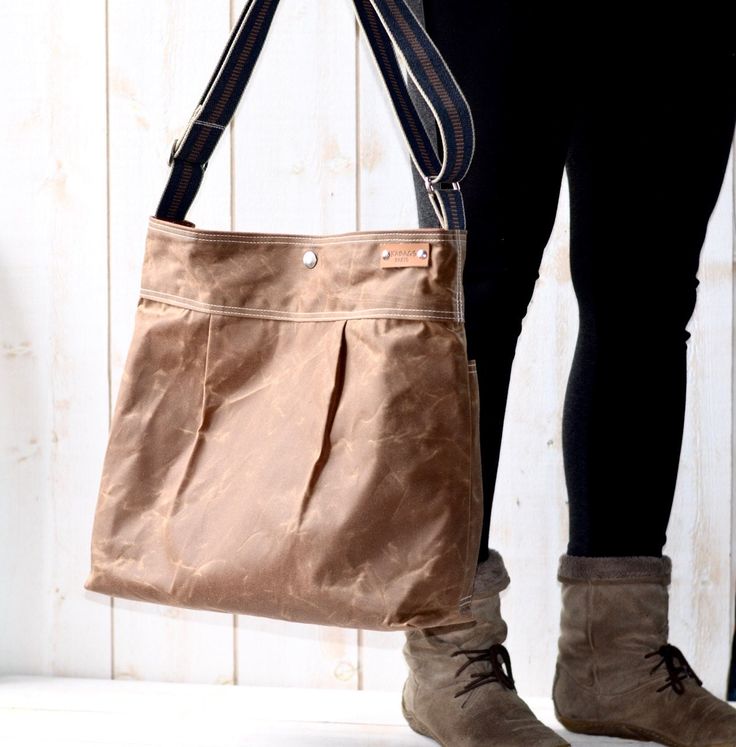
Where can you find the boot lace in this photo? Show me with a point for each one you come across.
(678, 668)
(498, 656)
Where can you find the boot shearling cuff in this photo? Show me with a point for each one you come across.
(636, 569)
(491, 575)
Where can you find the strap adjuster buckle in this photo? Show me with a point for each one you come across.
(432, 187)
(172, 156)
(174, 147)
(178, 141)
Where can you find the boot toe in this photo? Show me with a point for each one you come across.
(489, 717)
(460, 690)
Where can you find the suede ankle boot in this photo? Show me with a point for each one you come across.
(458, 691)
(616, 674)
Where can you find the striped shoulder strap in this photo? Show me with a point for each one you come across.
(389, 25)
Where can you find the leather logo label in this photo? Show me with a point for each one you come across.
(404, 254)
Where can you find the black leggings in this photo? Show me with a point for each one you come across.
(643, 126)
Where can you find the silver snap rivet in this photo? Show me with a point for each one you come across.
(309, 259)
(386, 254)
(422, 253)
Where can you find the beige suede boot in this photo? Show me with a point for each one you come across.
(616, 673)
(457, 691)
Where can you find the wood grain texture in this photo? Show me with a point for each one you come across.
(53, 332)
(700, 530)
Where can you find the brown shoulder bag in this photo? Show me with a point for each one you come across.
(295, 434)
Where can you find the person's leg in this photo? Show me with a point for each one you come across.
(646, 165)
(508, 63)
(506, 60)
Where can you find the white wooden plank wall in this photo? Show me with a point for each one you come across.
(54, 332)
(98, 91)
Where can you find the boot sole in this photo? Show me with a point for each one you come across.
(417, 726)
(600, 729)
(603, 729)
(420, 728)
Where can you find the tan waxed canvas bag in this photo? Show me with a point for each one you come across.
(295, 434)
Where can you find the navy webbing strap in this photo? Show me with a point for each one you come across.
(191, 152)
(385, 23)
(433, 79)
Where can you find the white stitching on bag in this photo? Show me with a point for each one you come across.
(219, 238)
(286, 315)
(444, 314)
